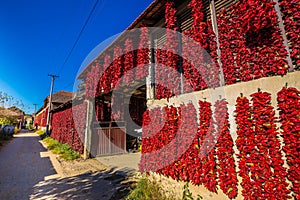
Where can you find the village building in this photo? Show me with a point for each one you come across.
(211, 84)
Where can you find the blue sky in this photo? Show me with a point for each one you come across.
(37, 35)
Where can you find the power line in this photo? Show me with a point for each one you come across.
(79, 36)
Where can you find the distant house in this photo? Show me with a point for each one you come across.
(58, 99)
(20, 114)
(15, 113)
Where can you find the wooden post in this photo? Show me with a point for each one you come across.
(151, 84)
(88, 129)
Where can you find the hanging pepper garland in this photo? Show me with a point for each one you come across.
(117, 66)
(230, 43)
(88, 85)
(187, 129)
(117, 104)
(143, 54)
(68, 127)
(246, 145)
(159, 128)
(207, 57)
(291, 17)
(201, 70)
(207, 142)
(105, 79)
(194, 70)
(129, 64)
(250, 55)
(226, 166)
(168, 57)
(257, 15)
(289, 111)
(260, 159)
(92, 80)
(271, 171)
(213, 65)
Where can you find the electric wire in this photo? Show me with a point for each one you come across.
(79, 36)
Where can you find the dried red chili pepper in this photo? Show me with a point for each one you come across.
(268, 146)
(226, 164)
(289, 110)
(291, 16)
(143, 54)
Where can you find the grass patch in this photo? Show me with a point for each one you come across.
(63, 150)
(41, 133)
(16, 130)
(145, 189)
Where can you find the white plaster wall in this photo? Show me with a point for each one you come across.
(270, 84)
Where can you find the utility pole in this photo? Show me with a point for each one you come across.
(34, 115)
(50, 102)
(35, 109)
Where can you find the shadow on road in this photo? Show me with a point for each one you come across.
(22, 167)
(101, 185)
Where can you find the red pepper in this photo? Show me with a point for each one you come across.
(250, 41)
(68, 127)
(129, 61)
(291, 16)
(289, 111)
(268, 146)
(226, 165)
(143, 52)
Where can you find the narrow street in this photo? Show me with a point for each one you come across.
(21, 166)
(26, 174)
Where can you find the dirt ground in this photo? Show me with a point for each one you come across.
(114, 185)
(72, 168)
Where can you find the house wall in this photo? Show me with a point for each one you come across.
(251, 52)
(263, 61)
(41, 118)
(68, 126)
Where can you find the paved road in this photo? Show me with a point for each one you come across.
(25, 172)
(21, 167)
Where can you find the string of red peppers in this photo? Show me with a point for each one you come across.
(186, 150)
(289, 111)
(143, 54)
(200, 32)
(272, 172)
(68, 127)
(117, 66)
(41, 119)
(117, 104)
(260, 163)
(245, 54)
(257, 15)
(159, 128)
(79, 114)
(291, 18)
(105, 79)
(92, 80)
(129, 64)
(168, 58)
(193, 69)
(246, 145)
(226, 166)
(207, 150)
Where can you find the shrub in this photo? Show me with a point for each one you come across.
(63, 150)
(145, 189)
